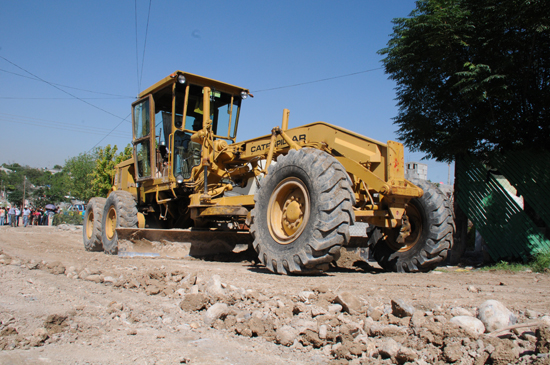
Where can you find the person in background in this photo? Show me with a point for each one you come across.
(17, 215)
(26, 215)
(44, 217)
(51, 213)
(2, 216)
(36, 217)
(11, 213)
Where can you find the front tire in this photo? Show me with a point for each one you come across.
(119, 211)
(92, 224)
(302, 213)
(431, 237)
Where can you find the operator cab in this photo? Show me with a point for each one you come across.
(170, 112)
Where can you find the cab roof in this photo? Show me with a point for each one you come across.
(195, 80)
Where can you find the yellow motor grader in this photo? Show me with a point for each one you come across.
(293, 193)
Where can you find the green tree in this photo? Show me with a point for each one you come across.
(16, 197)
(103, 174)
(51, 188)
(472, 76)
(80, 170)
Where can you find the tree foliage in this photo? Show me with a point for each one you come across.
(103, 174)
(83, 177)
(80, 170)
(472, 76)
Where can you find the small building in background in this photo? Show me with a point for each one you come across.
(416, 170)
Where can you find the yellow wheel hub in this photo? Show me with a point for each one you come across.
(110, 223)
(90, 225)
(288, 210)
(415, 221)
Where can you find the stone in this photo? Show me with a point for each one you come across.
(335, 308)
(459, 311)
(299, 308)
(286, 335)
(418, 319)
(214, 287)
(94, 278)
(376, 314)
(504, 354)
(452, 352)
(194, 302)
(310, 337)
(109, 280)
(305, 296)
(217, 311)
(471, 325)
(401, 309)
(56, 268)
(406, 354)
(323, 330)
(495, 315)
(350, 303)
(317, 311)
(388, 348)
(543, 340)
(302, 325)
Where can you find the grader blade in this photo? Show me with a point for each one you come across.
(179, 243)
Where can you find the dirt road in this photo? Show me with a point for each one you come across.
(61, 304)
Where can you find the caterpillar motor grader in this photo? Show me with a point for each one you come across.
(293, 193)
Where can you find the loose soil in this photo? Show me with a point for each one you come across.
(63, 305)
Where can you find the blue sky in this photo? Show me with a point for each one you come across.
(70, 69)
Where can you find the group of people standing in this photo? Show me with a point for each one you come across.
(31, 216)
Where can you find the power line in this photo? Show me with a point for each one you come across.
(10, 118)
(68, 87)
(33, 98)
(60, 89)
(101, 140)
(145, 43)
(320, 80)
(137, 51)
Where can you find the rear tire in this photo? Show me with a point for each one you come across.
(92, 224)
(432, 229)
(119, 211)
(302, 213)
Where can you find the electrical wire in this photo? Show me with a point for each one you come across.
(70, 87)
(320, 80)
(60, 89)
(137, 51)
(10, 118)
(101, 140)
(27, 98)
(145, 43)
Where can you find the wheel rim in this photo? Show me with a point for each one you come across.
(415, 220)
(110, 223)
(90, 225)
(288, 210)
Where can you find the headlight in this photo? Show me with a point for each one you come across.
(181, 79)
(179, 179)
(244, 95)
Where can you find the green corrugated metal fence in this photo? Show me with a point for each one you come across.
(506, 228)
(529, 173)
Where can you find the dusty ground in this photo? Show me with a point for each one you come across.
(61, 304)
